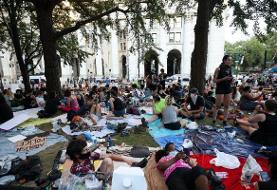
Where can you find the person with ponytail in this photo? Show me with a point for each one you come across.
(223, 79)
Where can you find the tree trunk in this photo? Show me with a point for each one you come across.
(49, 44)
(19, 56)
(199, 54)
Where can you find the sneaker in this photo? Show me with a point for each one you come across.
(215, 182)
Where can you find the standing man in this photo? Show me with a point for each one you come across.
(223, 79)
(162, 77)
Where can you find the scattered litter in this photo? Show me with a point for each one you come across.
(225, 160)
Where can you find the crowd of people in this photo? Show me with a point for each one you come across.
(254, 94)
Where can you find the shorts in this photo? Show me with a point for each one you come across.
(184, 178)
(173, 126)
(223, 90)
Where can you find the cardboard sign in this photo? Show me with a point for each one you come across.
(30, 144)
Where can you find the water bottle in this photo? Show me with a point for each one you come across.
(109, 140)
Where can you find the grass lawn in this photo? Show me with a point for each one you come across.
(143, 139)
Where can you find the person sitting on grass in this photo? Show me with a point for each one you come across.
(51, 106)
(82, 158)
(158, 107)
(262, 126)
(196, 103)
(180, 172)
(70, 103)
(247, 101)
(117, 106)
(169, 115)
(272, 170)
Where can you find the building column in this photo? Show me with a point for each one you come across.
(215, 47)
(188, 45)
(114, 57)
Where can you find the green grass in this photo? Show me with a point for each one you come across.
(143, 139)
(48, 155)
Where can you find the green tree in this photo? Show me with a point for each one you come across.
(12, 17)
(19, 34)
(58, 18)
(254, 49)
(213, 9)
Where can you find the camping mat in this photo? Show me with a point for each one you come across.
(206, 141)
(31, 112)
(232, 182)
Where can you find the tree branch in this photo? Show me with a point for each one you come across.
(79, 24)
(31, 69)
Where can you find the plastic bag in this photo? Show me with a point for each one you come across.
(192, 126)
(250, 168)
(7, 179)
(225, 160)
(72, 182)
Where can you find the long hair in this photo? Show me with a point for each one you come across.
(225, 57)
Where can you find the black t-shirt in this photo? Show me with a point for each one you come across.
(224, 71)
(118, 104)
(199, 103)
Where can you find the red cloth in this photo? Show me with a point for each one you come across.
(232, 182)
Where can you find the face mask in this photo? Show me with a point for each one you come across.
(173, 153)
(193, 97)
(84, 156)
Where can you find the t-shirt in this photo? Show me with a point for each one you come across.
(82, 169)
(199, 103)
(224, 71)
(178, 164)
(159, 106)
(170, 115)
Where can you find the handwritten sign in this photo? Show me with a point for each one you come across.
(30, 144)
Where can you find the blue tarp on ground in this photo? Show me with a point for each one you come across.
(176, 139)
(205, 141)
(157, 130)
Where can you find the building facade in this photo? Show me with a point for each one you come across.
(114, 58)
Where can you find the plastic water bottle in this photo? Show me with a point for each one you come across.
(110, 142)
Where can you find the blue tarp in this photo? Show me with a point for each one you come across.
(205, 141)
(274, 69)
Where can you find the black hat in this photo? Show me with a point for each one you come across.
(193, 91)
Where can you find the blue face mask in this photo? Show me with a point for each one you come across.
(173, 153)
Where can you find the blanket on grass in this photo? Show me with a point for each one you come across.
(156, 181)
